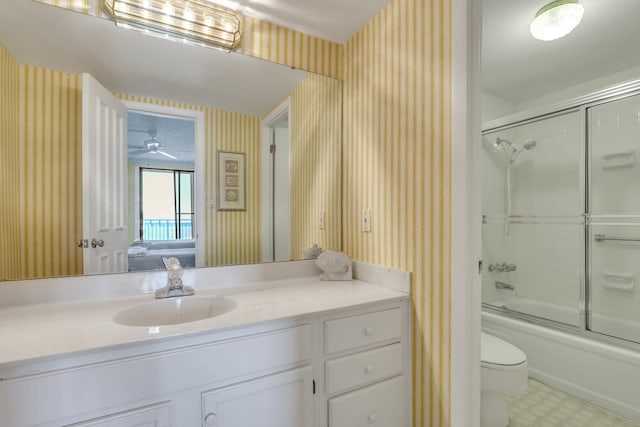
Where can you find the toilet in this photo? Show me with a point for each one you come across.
(503, 371)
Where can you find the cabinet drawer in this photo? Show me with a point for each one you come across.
(363, 368)
(381, 404)
(356, 331)
(150, 416)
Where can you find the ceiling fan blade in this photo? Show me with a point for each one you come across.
(138, 152)
(166, 154)
(136, 147)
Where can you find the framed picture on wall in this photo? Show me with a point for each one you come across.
(231, 181)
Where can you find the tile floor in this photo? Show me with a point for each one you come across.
(543, 406)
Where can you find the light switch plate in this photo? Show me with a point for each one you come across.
(366, 220)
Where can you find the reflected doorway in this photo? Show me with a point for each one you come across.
(276, 186)
(163, 208)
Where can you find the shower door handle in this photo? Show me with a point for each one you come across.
(603, 238)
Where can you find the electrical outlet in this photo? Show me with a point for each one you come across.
(321, 220)
(366, 220)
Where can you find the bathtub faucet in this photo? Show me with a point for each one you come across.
(502, 285)
(502, 268)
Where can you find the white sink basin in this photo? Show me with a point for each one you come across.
(172, 311)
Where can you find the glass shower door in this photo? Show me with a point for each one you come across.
(614, 207)
(533, 222)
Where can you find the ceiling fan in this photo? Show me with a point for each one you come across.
(152, 146)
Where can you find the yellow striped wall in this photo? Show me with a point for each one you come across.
(232, 237)
(51, 172)
(10, 215)
(91, 7)
(275, 43)
(397, 115)
(315, 121)
(236, 234)
(262, 40)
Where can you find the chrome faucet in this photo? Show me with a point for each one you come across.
(174, 287)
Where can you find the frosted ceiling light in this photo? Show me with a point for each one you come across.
(556, 19)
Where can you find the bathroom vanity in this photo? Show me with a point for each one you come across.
(292, 352)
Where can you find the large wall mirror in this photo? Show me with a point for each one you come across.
(230, 159)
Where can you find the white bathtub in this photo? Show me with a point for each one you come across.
(604, 374)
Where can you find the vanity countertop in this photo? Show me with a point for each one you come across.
(40, 331)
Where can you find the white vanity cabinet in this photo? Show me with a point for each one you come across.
(227, 372)
(347, 368)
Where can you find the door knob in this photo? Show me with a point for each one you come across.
(95, 243)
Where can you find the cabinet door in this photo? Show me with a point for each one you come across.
(150, 416)
(280, 400)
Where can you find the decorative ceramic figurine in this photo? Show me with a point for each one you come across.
(335, 266)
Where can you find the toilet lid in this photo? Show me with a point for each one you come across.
(495, 351)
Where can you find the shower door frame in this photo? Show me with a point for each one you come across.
(581, 105)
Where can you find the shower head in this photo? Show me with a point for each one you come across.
(529, 144)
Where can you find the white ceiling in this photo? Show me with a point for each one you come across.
(516, 67)
(333, 20)
(176, 135)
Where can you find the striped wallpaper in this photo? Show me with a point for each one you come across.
(234, 236)
(262, 40)
(316, 151)
(397, 115)
(10, 240)
(91, 7)
(51, 172)
(274, 43)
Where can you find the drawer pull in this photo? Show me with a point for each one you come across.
(211, 419)
(373, 417)
(369, 369)
(368, 331)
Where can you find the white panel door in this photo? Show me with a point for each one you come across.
(104, 179)
(281, 400)
(281, 196)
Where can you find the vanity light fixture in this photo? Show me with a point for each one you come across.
(556, 19)
(191, 21)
